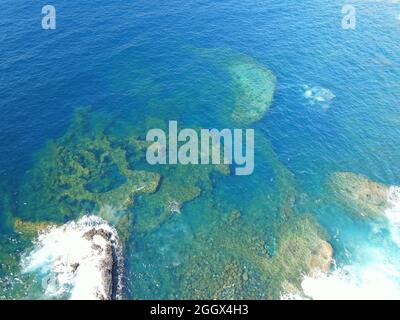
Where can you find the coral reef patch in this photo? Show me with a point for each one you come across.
(253, 83)
(83, 171)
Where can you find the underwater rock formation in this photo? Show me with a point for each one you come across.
(242, 258)
(253, 84)
(83, 171)
(302, 250)
(179, 185)
(80, 260)
(255, 87)
(122, 220)
(319, 264)
(30, 229)
(321, 260)
(363, 196)
(234, 263)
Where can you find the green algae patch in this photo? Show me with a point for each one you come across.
(30, 230)
(83, 171)
(99, 167)
(360, 195)
(253, 83)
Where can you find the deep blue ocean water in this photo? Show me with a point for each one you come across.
(101, 48)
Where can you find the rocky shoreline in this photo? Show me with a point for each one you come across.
(82, 259)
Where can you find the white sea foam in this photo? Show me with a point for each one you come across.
(319, 95)
(392, 213)
(70, 262)
(371, 282)
(374, 273)
(376, 280)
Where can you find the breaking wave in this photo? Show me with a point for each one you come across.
(374, 273)
(370, 282)
(392, 213)
(73, 261)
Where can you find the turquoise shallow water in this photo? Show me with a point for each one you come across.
(132, 62)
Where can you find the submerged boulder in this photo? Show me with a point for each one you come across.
(78, 260)
(303, 249)
(363, 196)
(321, 259)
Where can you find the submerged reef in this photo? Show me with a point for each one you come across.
(83, 171)
(179, 185)
(233, 262)
(30, 230)
(303, 249)
(98, 167)
(363, 196)
(253, 83)
(255, 87)
(95, 169)
(242, 238)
